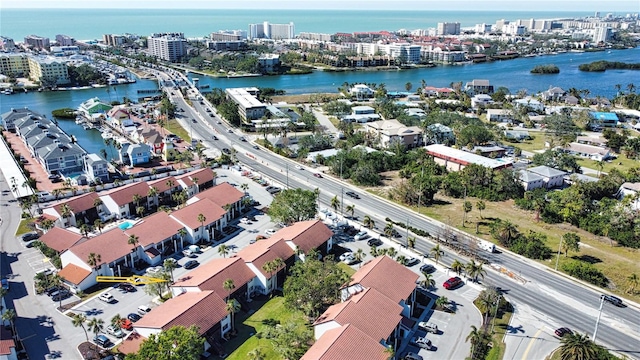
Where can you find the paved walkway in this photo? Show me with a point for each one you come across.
(12, 172)
(323, 119)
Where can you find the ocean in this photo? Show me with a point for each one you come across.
(88, 24)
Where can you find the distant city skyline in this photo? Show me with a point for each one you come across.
(618, 6)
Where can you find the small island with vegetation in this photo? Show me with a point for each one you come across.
(64, 113)
(545, 69)
(603, 65)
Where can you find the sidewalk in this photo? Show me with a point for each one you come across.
(12, 172)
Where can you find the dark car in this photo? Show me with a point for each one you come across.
(134, 317)
(30, 236)
(374, 242)
(191, 264)
(452, 283)
(427, 268)
(102, 341)
(318, 175)
(612, 299)
(226, 151)
(352, 194)
(411, 261)
(61, 295)
(194, 120)
(126, 287)
(214, 137)
(561, 332)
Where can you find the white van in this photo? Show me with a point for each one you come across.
(143, 310)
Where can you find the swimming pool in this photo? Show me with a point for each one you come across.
(126, 225)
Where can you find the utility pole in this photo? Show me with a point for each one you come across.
(287, 176)
(558, 256)
(407, 232)
(595, 332)
(420, 193)
(342, 201)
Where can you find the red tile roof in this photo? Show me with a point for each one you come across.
(188, 215)
(370, 311)
(124, 195)
(203, 175)
(202, 309)
(336, 343)
(154, 228)
(212, 275)
(60, 239)
(6, 341)
(74, 274)
(161, 184)
(388, 277)
(222, 194)
(78, 204)
(131, 344)
(111, 246)
(306, 235)
(264, 251)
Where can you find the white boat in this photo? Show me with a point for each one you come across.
(79, 120)
(107, 135)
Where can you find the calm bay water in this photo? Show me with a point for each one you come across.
(93, 23)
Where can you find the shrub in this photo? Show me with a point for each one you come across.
(585, 271)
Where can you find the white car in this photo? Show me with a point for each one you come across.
(270, 232)
(115, 331)
(106, 297)
(346, 255)
(428, 326)
(244, 220)
(361, 235)
(299, 167)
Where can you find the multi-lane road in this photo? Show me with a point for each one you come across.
(565, 301)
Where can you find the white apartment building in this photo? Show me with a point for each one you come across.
(602, 34)
(448, 28)
(514, 29)
(267, 30)
(249, 107)
(168, 47)
(37, 42)
(48, 68)
(406, 52)
(14, 64)
(315, 36)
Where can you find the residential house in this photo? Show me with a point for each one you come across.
(304, 236)
(94, 109)
(164, 188)
(60, 239)
(85, 208)
(206, 310)
(596, 153)
(9, 118)
(592, 140)
(553, 94)
(391, 132)
(207, 227)
(213, 275)
(262, 252)
(456, 160)
(361, 91)
(226, 196)
(439, 134)
(529, 103)
(599, 120)
(96, 168)
(480, 100)
(135, 154)
(157, 236)
(416, 113)
(492, 151)
(630, 190)
(477, 86)
(335, 343)
(551, 177)
(517, 135)
(120, 118)
(530, 180)
(152, 138)
(499, 115)
(123, 201)
(361, 114)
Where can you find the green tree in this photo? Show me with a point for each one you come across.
(457, 266)
(442, 301)
(577, 346)
(293, 205)
(176, 343)
(10, 316)
(232, 307)
(633, 281)
(436, 253)
(411, 242)
(169, 266)
(466, 207)
(475, 270)
(224, 250)
(428, 282)
(133, 240)
(368, 222)
(335, 203)
(94, 260)
(480, 205)
(95, 325)
(351, 209)
(570, 241)
(78, 320)
(289, 340)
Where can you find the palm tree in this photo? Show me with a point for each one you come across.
(507, 231)
(368, 222)
(117, 320)
(10, 316)
(442, 301)
(244, 187)
(182, 233)
(335, 203)
(475, 337)
(402, 259)
(152, 193)
(78, 320)
(457, 266)
(359, 255)
(97, 203)
(428, 282)
(411, 242)
(436, 253)
(392, 252)
(278, 263)
(233, 306)
(466, 207)
(474, 270)
(224, 250)
(169, 266)
(136, 199)
(228, 285)
(96, 325)
(480, 205)
(94, 260)
(202, 219)
(350, 209)
(133, 240)
(57, 280)
(388, 229)
(391, 352)
(633, 280)
(99, 225)
(577, 346)
(66, 212)
(140, 211)
(47, 224)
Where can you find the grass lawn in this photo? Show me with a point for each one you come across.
(248, 325)
(23, 228)
(622, 163)
(499, 330)
(348, 269)
(534, 145)
(175, 127)
(615, 262)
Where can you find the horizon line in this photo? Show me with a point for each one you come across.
(312, 8)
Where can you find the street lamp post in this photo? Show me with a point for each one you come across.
(595, 331)
(407, 232)
(558, 255)
(342, 202)
(287, 176)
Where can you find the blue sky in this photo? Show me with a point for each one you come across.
(625, 6)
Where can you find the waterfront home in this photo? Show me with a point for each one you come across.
(249, 107)
(134, 154)
(529, 103)
(499, 115)
(390, 132)
(596, 153)
(477, 86)
(553, 94)
(96, 168)
(361, 114)
(480, 100)
(603, 119)
(361, 91)
(93, 108)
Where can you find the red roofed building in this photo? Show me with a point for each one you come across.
(120, 201)
(164, 188)
(197, 180)
(215, 220)
(7, 345)
(157, 234)
(212, 275)
(223, 194)
(258, 254)
(76, 276)
(307, 235)
(85, 207)
(206, 310)
(346, 341)
(60, 239)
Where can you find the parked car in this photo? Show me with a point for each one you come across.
(427, 268)
(244, 220)
(452, 283)
(102, 341)
(143, 310)
(374, 242)
(421, 342)
(270, 232)
(106, 297)
(134, 317)
(126, 324)
(428, 327)
(226, 151)
(214, 137)
(115, 331)
(612, 299)
(30, 236)
(411, 261)
(361, 235)
(561, 332)
(318, 175)
(61, 295)
(191, 264)
(126, 287)
(412, 356)
(5, 284)
(352, 194)
(345, 256)
(188, 253)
